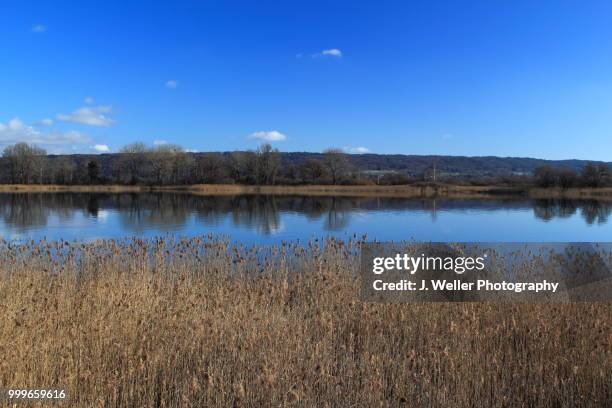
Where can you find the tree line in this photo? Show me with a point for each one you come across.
(169, 164)
(592, 175)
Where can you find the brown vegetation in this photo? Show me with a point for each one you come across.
(417, 191)
(421, 190)
(198, 323)
(572, 193)
(231, 189)
(56, 188)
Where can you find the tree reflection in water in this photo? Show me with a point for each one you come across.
(169, 212)
(592, 211)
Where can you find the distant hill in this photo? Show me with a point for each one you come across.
(460, 166)
(455, 165)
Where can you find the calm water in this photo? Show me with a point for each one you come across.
(270, 219)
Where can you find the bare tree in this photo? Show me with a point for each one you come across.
(337, 164)
(211, 168)
(132, 163)
(267, 164)
(170, 164)
(243, 167)
(160, 159)
(545, 176)
(596, 175)
(182, 166)
(63, 170)
(39, 165)
(25, 162)
(566, 178)
(313, 171)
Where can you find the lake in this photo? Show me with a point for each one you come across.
(269, 219)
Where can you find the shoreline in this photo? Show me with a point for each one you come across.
(400, 191)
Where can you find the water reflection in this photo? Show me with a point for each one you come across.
(168, 212)
(593, 211)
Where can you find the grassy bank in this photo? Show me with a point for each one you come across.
(195, 323)
(370, 190)
(572, 193)
(232, 189)
(407, 191)
(416, 191)
(55, 188)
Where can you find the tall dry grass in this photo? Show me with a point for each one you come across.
(56, 188)
(404, 191)
(196, 322)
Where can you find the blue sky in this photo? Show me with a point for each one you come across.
(518, 78)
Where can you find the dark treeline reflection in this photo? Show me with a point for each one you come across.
(137, 212)
(593, 211)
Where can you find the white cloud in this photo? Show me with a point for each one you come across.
(71, 136)
(102, 148)
(333, 52)
(172, 84)
(89, 100)
(330, 53)
(159, 142)
(39, 28)
(191, 150)
(358, 150)
(13, 125)
(46, 122)
(268, 136)
(15, 131)
(92, 116)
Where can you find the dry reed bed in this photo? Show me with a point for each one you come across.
(405, 191)
(55, 188)
(196, 322)
(233, 189)
(604, 193)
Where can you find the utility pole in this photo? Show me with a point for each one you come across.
(434, 170)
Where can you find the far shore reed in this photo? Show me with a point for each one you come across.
(200, 323)
(408, 191)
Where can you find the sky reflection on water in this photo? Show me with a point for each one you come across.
(270, 219)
